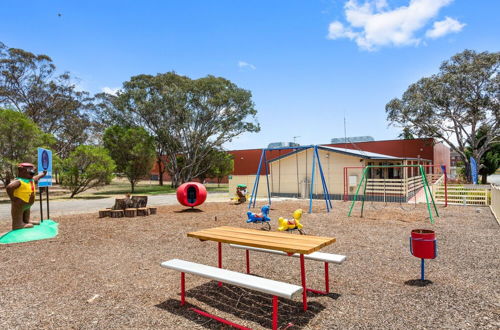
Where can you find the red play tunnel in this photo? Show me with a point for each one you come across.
(191, 194)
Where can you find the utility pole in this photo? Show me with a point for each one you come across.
(294, 138)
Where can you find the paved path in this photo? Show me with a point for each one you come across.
(78, 206)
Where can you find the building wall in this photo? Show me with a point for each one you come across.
(247, 180)
(442, 156)
(292, 175)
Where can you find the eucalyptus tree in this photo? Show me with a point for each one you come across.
(29, 84)
(188, 118)
(454, 104)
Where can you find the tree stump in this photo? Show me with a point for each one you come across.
(104, 213)
(117, 213)
(120, 204)
(142, 211)
(130, 213)
(152, 210)
(140, 201)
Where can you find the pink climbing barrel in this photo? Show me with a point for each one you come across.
(423, 243)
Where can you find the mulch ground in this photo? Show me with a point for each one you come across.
(106, 274)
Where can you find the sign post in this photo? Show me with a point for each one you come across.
(45, 164)
(473, 169)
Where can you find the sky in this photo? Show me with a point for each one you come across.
(308, 63)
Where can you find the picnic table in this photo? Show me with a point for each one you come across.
(279, 241)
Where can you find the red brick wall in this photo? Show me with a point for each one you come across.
(246, 162)
(166, 177)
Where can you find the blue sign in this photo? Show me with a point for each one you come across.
(45, 164)
(473, 169)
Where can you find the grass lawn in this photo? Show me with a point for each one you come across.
(121, 187)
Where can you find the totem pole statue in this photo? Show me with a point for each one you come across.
(22, 195)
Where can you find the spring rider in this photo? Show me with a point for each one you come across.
(423, 245)
(241, 194)
(262, 217)
(292, 224)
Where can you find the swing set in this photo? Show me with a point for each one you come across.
(264, 161)
(381, 190)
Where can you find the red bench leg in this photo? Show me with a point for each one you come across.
(183, 293)
(327, 283)
(220, 257)
(327, 279)
(275, 312)
(248, 261)
(221, 320)
(303, 278)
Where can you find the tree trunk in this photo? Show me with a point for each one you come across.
(161, 170)
(132, 184)
(176, 180)
(484, 178)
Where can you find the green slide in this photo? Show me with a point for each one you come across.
(46, 229)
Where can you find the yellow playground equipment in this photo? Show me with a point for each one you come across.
(292, 224)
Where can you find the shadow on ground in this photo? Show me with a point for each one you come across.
(244, 304)
(192, 210)
(418, 282)
(331, 295)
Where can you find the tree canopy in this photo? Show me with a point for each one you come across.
(19, 139)
(187, 117)
(86, 167)
(29, 84)
(132, 149)
(221, 165)
(453, 104)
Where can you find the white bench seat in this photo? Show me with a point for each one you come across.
(260, 284)
(317, 256)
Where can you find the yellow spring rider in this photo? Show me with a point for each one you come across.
(292, 224)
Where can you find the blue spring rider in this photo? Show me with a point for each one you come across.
(262, 217)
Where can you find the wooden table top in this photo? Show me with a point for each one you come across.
(281, 241)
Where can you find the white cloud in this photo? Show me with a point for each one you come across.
(444, 27)
(243, 64)
(373, 24)
(110, 90)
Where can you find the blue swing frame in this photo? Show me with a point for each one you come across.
(263, 159)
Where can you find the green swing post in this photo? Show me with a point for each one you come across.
(424, 181)
(430, 194)
(357, 191)
(364, 195)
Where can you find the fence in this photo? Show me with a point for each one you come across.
(461, 194)
(495, 202)
(393, 190)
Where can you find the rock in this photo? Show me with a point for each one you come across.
(91, 300)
